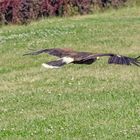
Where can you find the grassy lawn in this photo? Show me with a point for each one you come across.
(77, 102)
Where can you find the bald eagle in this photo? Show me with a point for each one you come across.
(67, 56)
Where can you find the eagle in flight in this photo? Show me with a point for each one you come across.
(67, 56)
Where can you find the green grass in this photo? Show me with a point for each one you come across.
(77, 102)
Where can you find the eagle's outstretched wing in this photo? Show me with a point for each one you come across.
(118, 59)
(54, 51)
(58, 63)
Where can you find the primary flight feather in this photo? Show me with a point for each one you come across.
(67, 56)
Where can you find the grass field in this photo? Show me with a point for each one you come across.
(77, 102)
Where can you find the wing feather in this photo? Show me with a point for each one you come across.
(54, 51)
(38, 52)
(58, 63)
(117, 59)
